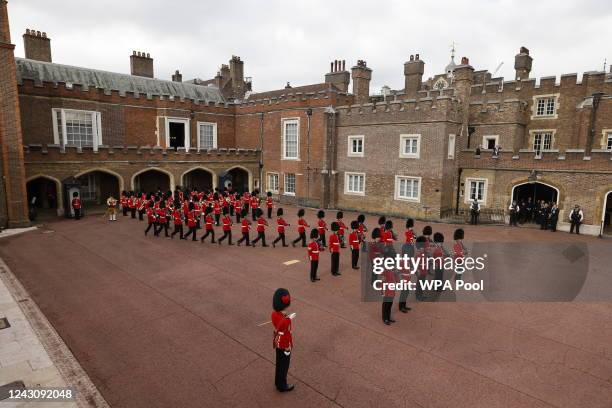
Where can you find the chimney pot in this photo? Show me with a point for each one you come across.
(416, 57)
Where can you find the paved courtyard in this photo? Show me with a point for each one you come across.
(161, 323)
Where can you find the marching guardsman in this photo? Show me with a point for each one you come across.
(208, 225)
(132, 204)
(283, 340)
(459, 250)
(302, 225)
(261, 229)
(238, 207)
(334, 249)
(192, 222)
(227, 227)
(376, 250)
(362, 229)
(341, 228)
(269, 204)
(142, 201)
(409, 236)
(76, 205)
(438, 253)
(280, 227)
(420, 254)
(178, 222)
(313, 254)
(322, 227)
(254, 203)
(245, 226)
(216, 209)
(354, 244)
(111, 204)
(151, 219)
(124, 203)
(427, 231)
(381, 225)
(388, 237)
(162, 220)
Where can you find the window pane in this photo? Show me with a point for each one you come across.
(79, 128)
(291, 142)
(207, 136)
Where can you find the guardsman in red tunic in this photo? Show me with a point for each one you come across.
(216, 209)
(421, 271)
(192, 223)
(208, 225)
(381, 225)
(141, 202)
(238, 207)
(124, 203)
(280, 227)
(388, 237)
(302, 225)
(226, 221)
(334, 249)
(151, 219)
(409, 234)
(254, 203)
(161, 220)
(269, 204)
(427, 231)
(459, 250)
(283, 340)
(438, 253)
(133, 205)
(341, 228)
(362, 229)
(245, 226)
(76, 205)
(322, 227)
(313, 254)
(261, 229)
(178, 223)
(354, 244)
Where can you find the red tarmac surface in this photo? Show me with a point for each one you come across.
(160, 323)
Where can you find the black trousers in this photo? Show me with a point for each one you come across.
(474, 217)
(141, 215)
(261, 236)
(228, 235)
(302, 238)
(217, 218)
(237, 217)
(322, 240)
(282, 368)
(335, 262)
(178, 229)
(77, 213)
(245, 237)
(231, 210)
(354, 257)
(160, 227)
(125, 210)
(254, 213)
(439, 276)
(133, 212)
(576, 225)
(209, 232)
(281, 237)
(386, 308)
(419, 288)
(314, 266)
(269, 213)
(151, 225)
(403, 297)
(553, 224)
(192, 231)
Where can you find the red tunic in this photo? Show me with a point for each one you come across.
(191, 219)
(76, 203)
(281, 224)
(354, 240)
(313, 251)
(150, 215)
(216, 208)
(322, 226)
(245, 225)
(227, 223)
(209, 222)
(254, 202)
(334, 243)
(282, 331)
(161, 213)
(261, 224)
(177, 217)
(387, 237)
(341, 226)
(302, 224)
(458, 250)
(269, 203)
(409, 234)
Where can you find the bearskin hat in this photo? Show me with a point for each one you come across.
(376, 233)
(335, 226)
(281, 300)
(75, 194)
(314, 233)
(427, 230)
(409, 223)
(321, 214)
(420, 242)
(382, 220)
(191, 206)
(438, 237)
(279, 212)
(354, 224)
(162, 204)
(244, 212)
(259, 212)
(208, 210)
(361, 218)
(388, 225)
(301, 212)
(459, 234)
(216, 196)
(225, 211)
(339, 215)
(269, 194)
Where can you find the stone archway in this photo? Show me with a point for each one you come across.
(151, 180)
(96, 185)
(199, 178)
(240, 178)
(47, 192)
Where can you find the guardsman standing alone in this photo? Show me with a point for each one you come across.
(283, 340)
(111, 204)
(269, 204)
(76, 205)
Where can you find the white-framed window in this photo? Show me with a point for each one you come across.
(207, 135)
(410, 146)
(545, 106)
(77, 128)
(289, 184)
(291, 139)
(408, 188)
(355, 146)
(354, 183)
(273, 182)
(177, 133)
(489, 142)
(542, 141)
(607, 139)
(451, 146)
(476, 188)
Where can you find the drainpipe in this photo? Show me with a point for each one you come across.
(308, 116)
(261, 148)
(458, 191)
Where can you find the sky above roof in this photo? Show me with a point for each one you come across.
(294, 41)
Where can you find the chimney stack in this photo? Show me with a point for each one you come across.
(177, 77)
(37, 45)
(141, 64)
(522, 64)
(236, 67)
(338, 76)
(413, 75)
(361, 82)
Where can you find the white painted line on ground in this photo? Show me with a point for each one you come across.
(291, 262)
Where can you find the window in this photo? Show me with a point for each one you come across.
(88, 188)
(410, 146)
(451, 146)
(489, 142)
(354, 183)
(207, 135)
(177, 133)
(440, 84)
(609, 142)
(407, 188)
(607, 139)
(476, 190)
(77, 128)
(273, 182)
(545, 106)
(542, 141)
(355, 146)
(290, 184)
(291, 139)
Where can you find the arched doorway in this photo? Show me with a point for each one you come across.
(151, 181)
(535, 192)
(96, 186)
(198, 179)
(238, 177)
(42, 192)
(607, 214)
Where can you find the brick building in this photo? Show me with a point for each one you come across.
(411, 151)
